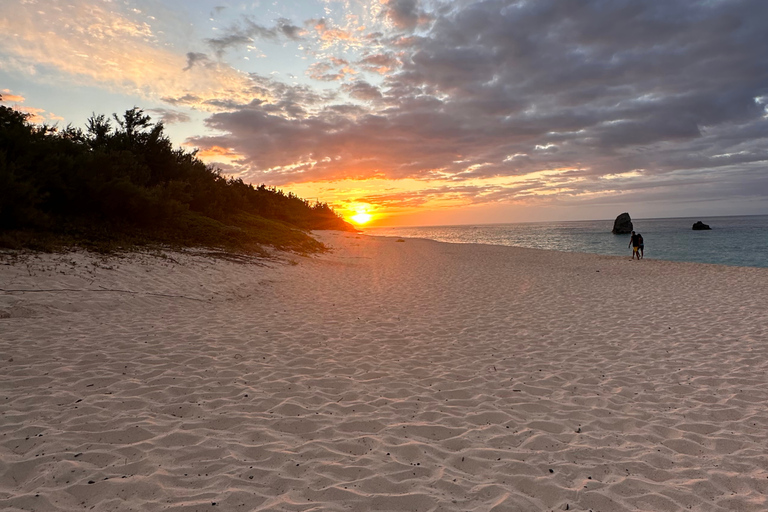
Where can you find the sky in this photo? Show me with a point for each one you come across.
(422, 112)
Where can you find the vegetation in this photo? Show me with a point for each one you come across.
(122, 185)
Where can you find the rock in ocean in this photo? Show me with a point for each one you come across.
(699, 226)
(622, 224)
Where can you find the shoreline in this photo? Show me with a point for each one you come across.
(384, 375)
(572, 253)
(666, 238)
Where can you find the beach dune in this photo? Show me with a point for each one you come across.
(388, 374)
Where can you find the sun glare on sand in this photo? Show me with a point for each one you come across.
(361, 218)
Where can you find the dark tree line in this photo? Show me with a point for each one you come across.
(121, 177)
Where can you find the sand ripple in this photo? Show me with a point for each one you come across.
(408, 376)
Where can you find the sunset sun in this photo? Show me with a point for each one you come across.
(361, 218)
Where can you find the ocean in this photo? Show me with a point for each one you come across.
(737, 241)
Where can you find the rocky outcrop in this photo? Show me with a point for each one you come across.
(700, 226)
(622, 225)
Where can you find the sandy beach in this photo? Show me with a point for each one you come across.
(386, 375)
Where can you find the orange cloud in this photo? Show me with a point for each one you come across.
(94, 42)
(7, 96)
(397, 201)
(385, 199)
(218, 152)
(381, 63)
(333, 35)
(36, 115)
(326, 71)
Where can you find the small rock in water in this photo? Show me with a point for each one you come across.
(622, 225)
(700, 226)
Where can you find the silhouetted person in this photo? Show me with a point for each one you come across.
(640, 246)
(634, 242)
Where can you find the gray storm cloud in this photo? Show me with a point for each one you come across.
(247, 31)
(505, 88)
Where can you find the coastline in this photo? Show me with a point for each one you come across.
(733, 241)
(384, 375)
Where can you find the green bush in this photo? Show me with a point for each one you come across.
(126, 182)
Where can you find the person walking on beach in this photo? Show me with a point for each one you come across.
(640, 246)
(635, 246)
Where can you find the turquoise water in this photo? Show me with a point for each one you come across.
(739, 241)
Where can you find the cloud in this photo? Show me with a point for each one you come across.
(330, 70)
(35, 115)
(7, 96)
(195, 58)
(244, 33)
(168, 116)
(330, 35)
(405, 14)
(381, 63)
(362, 90)
(493, 100)
(503, 89)
(221, 44)
(99, 44)
(217, 152)
(290, 31)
